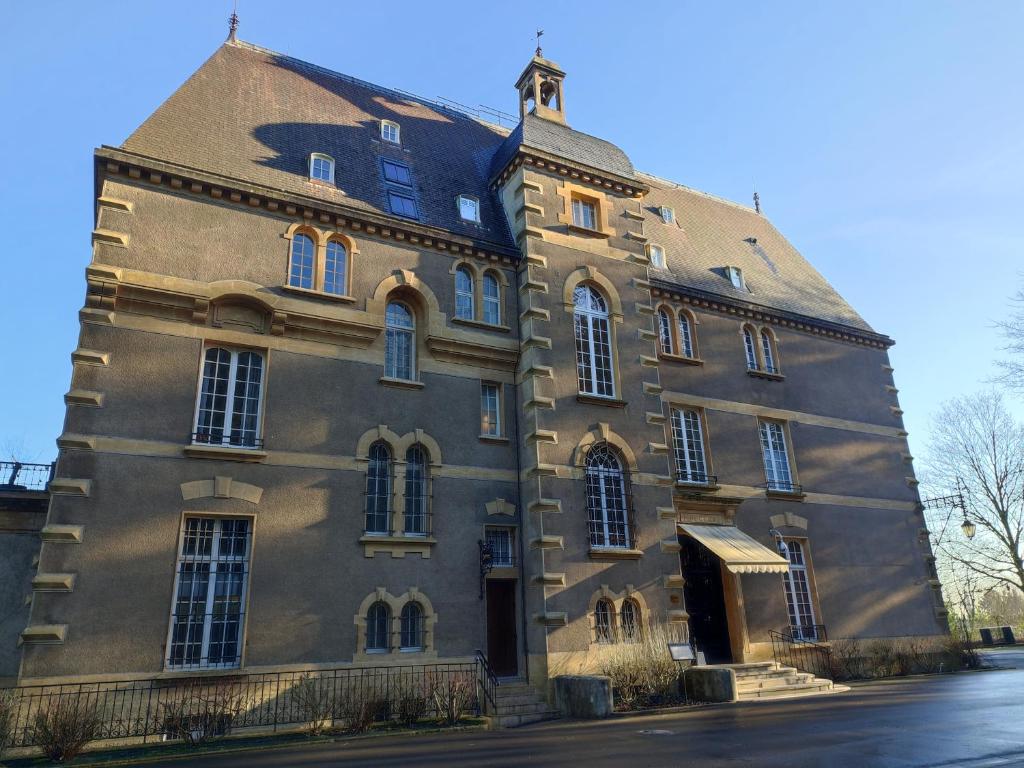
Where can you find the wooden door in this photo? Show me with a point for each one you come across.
(502, 645)
(705, 601)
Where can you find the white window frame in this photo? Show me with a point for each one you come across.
(494, 532)
(666, 344)
(596, 322)
(296, 280)
(330, 167)
(465, 298)
(230, 399)
(778, 472)
(392, 332)
(658, 263)
(768, 351)
(491, 302)
(391, 132)
(690, 457)
(668, 215)
(792, 586)
(580, 209)
(735, 275)
(215, 560)
(464, 200)
(684, 325)
(487, 387)
(750, 348)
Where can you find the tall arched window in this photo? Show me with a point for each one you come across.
(301, 270)
(464, 294)
(630, 620)
(378, 628)
(749, 348)
(607, 501)
(335, 268)
(593, 343)
(378, 490)
(768, 351)
(416, 491)
(492, 299)
(400, 344)
(798, 595)
(412, 627)
(664, 332)
(228, 411)
(604, 621)
(685, 335)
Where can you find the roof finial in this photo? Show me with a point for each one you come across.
(233, 24)
(540, 34)
(757, 202)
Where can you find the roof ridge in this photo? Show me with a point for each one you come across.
(716, 198)
(393, 92)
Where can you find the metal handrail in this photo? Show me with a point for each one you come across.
(781, 486)
(487, 679)
(698, 479)
(25, 476)
(809, 632)
(804, 655)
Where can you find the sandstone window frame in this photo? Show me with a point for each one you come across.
(617, 601)
(322, 253)
(376, 475)
(205, 392)
(215, 561)
(609, 500)
(595, 343)
(401, 340)
(378, 628)
(761, 350)
(396, 605)
(486, 304)
(604, 622)
(497, 533)
(321, 168)
(411, 628)
(465, 290)
(417, 499)
(677, 334)
(577, 193)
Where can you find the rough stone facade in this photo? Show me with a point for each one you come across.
(196, 219)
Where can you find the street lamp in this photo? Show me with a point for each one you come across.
(968, 527)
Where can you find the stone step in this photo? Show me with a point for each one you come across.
(514, 721)
(769, 682)
(521, 709)
(798, 694)
(519, 698)
(786, 690)
(783, 685)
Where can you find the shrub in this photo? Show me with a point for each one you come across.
(643, 673)
(452, 695)
(8, 711)
(198, 712)
(63, 728)
(314, 702)
(847, 659)
(411, 700)
(358, 713)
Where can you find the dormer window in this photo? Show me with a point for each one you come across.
(321, 168)
(469, 208)
(584, 213)
(657, 256)
(735, 275)
(397, 173)
(668, 215)
(390, 132)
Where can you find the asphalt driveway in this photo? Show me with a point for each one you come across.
(972, 720)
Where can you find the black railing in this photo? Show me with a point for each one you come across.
(162, 709)
(782, 486)
(700, 479)
(19, 476)
(487, 681)
(814, 632)
(227, 441)
(801, 654)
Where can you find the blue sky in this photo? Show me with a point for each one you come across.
(885, 140)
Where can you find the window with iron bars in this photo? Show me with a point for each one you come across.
(210, 593)
(417, 491)
(608, 502)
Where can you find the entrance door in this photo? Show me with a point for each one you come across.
(705, 601)
(502, 648)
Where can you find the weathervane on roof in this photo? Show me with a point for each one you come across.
(233, 23)
(757, 202)
(540, 34)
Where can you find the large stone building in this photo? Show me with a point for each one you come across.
(336, 336)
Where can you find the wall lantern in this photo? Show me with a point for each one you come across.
(968, 527)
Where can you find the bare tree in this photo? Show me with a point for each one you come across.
(1012, 376)
(977, 443)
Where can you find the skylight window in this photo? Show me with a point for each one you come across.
(390, 132)
(668, 215)
(735, 275)
(657, 256)
(402, 205)
(321, 167)
(469, 208)
(397, 173)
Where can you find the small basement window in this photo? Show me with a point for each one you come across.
(469, 208)
(390, 131)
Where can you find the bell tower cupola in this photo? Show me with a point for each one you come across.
(540, 89)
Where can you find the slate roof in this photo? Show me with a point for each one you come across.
(254, 115)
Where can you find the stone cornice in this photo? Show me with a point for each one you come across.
(577, 172)
(118, 162)
(760, 313)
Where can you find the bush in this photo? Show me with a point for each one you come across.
(198, 712)
(642, 673)
(852, 659)
(8, 711)
(358, 713)
(847, 659)
(411, 702)
(65, 727)
(314, 702)
(452, 695)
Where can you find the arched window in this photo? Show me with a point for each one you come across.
(798, 595)
(228, 411)
(768, 351)
(321, 167)
(378, 629)
(593, 343)
(688, 446)
(607, 503)
(464, 294)
(749, 348)
(604, 621)
(412, 627)
(336, 268)
(630, 620)
(300, 272)
(390, 131)
(664, 332)
(685, 335)
(378, 490)
(400, 344)
(492, 299)
(416, 491)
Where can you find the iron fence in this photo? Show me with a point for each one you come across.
(801, 654)
(20, 476)
(158, 709)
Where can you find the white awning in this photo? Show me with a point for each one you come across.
(739, 552)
